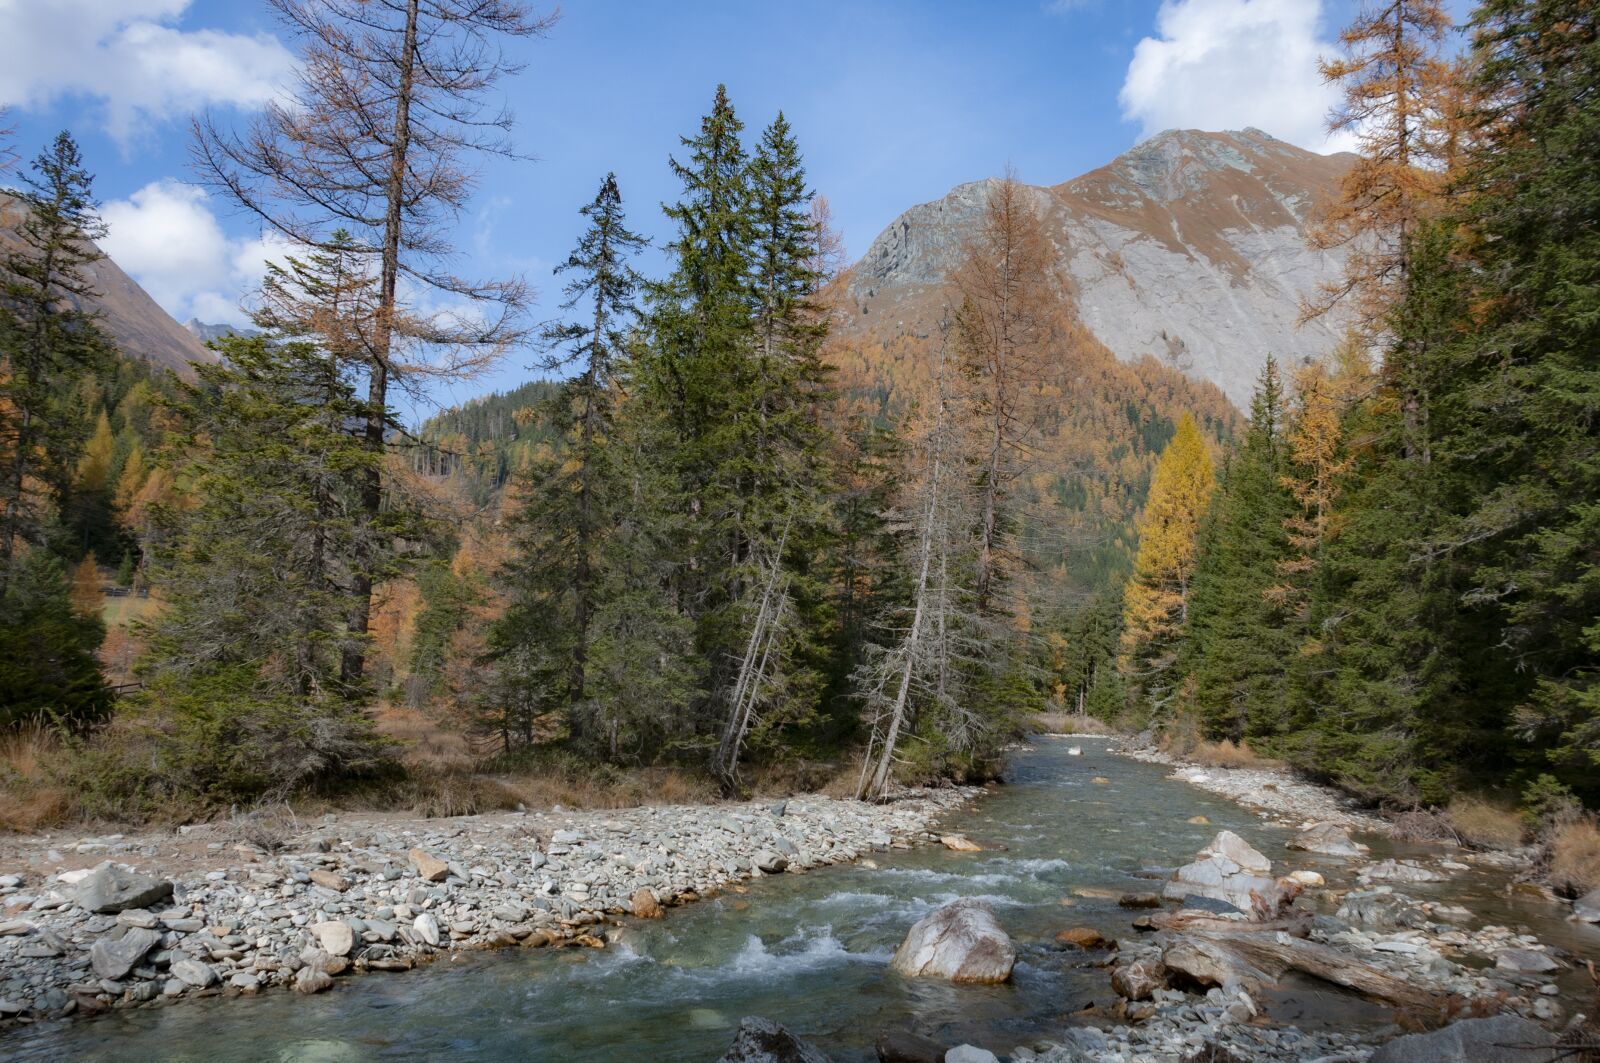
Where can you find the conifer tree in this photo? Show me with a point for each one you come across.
(44, 337)
(572, 496)
(1157, 597)
(1240, 639)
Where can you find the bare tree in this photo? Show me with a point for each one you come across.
(373, 139)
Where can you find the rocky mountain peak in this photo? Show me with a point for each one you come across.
(1190, 247)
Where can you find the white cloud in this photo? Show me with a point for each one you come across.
(131, 57)
(167, 239)
(1227, 64)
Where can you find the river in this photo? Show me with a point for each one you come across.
(810, 951)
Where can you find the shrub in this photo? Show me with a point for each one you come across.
(1575, 856)
(1230, 754)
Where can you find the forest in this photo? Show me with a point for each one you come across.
(715, 541)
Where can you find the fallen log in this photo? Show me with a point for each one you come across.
(1272, 954)
(1190, 920)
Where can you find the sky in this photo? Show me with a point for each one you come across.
(894, 102)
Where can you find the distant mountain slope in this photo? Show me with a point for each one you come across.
(128, 315)
(1189, 248)
(205, 332)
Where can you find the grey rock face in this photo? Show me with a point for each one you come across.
(1502, 1039)
(764, 1041)
(109, 889)
(961, 942)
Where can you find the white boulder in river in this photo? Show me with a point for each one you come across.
(1228, 869)
(961, 942)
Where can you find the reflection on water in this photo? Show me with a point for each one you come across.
(810, 951)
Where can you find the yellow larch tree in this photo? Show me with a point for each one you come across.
(1156, 602)
(1319, 456)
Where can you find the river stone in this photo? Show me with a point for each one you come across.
(644, 904)
(1587, 907)
(1372, 908)
(330, 880)
(1399, 871)
(427, 927)
(970, 1054)
(311, 980)
(1502, 1039)
(1525, 961)
(1139, 979)
(114, 959)
(1330, 839)
(906, 1046)
(961, 942)
(335, 936)
(109, 889)
(764, 1041)
(769, 862)
(429, 868)
(193, 972)
(960, 843)
(1082, 937)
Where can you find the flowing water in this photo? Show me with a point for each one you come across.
(810, 951)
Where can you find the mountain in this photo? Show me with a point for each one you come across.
(1189, 248)
(206, 332)
(138, 325)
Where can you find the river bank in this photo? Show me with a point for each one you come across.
(90, 924)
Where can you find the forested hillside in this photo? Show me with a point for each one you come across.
(736, 536)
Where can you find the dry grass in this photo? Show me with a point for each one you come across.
(1229, 754)
(30, 798)
(1423, 825)
(1483, 824)
(1575, 855)
(426, 744)
(1068, 723)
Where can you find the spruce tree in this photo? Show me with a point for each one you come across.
(571, 496)
(1239, 639)
(45, 339)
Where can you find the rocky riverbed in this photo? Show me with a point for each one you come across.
(88, 924)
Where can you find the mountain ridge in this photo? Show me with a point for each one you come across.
(1190, 248)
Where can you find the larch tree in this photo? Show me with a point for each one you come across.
(1318, 458)
(1396, 101)
(1156, 601)
(374, 140)
(1003, 293)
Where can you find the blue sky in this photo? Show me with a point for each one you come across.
(894, 102)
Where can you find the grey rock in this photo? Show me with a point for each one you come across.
(1502, 1039)
(195, 973)
(335, 936)
(763, 1041)
(905, 1046)
(309, 980)
(770, 862)
(1371, 908)
(1400, 871)
(1228, 869)
(109, 889)
(970, 1054)
(114, 959)
(1330, 839)
(427, 927)
(1525, 961)
(1587, 907)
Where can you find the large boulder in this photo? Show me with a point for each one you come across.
(1329, 839)
(1139, 979)
(109, 889)
(764, 1041)
(1228, 869)
(961, 942)
(1587, 907)
(1502, 1039)
(908, 1046)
